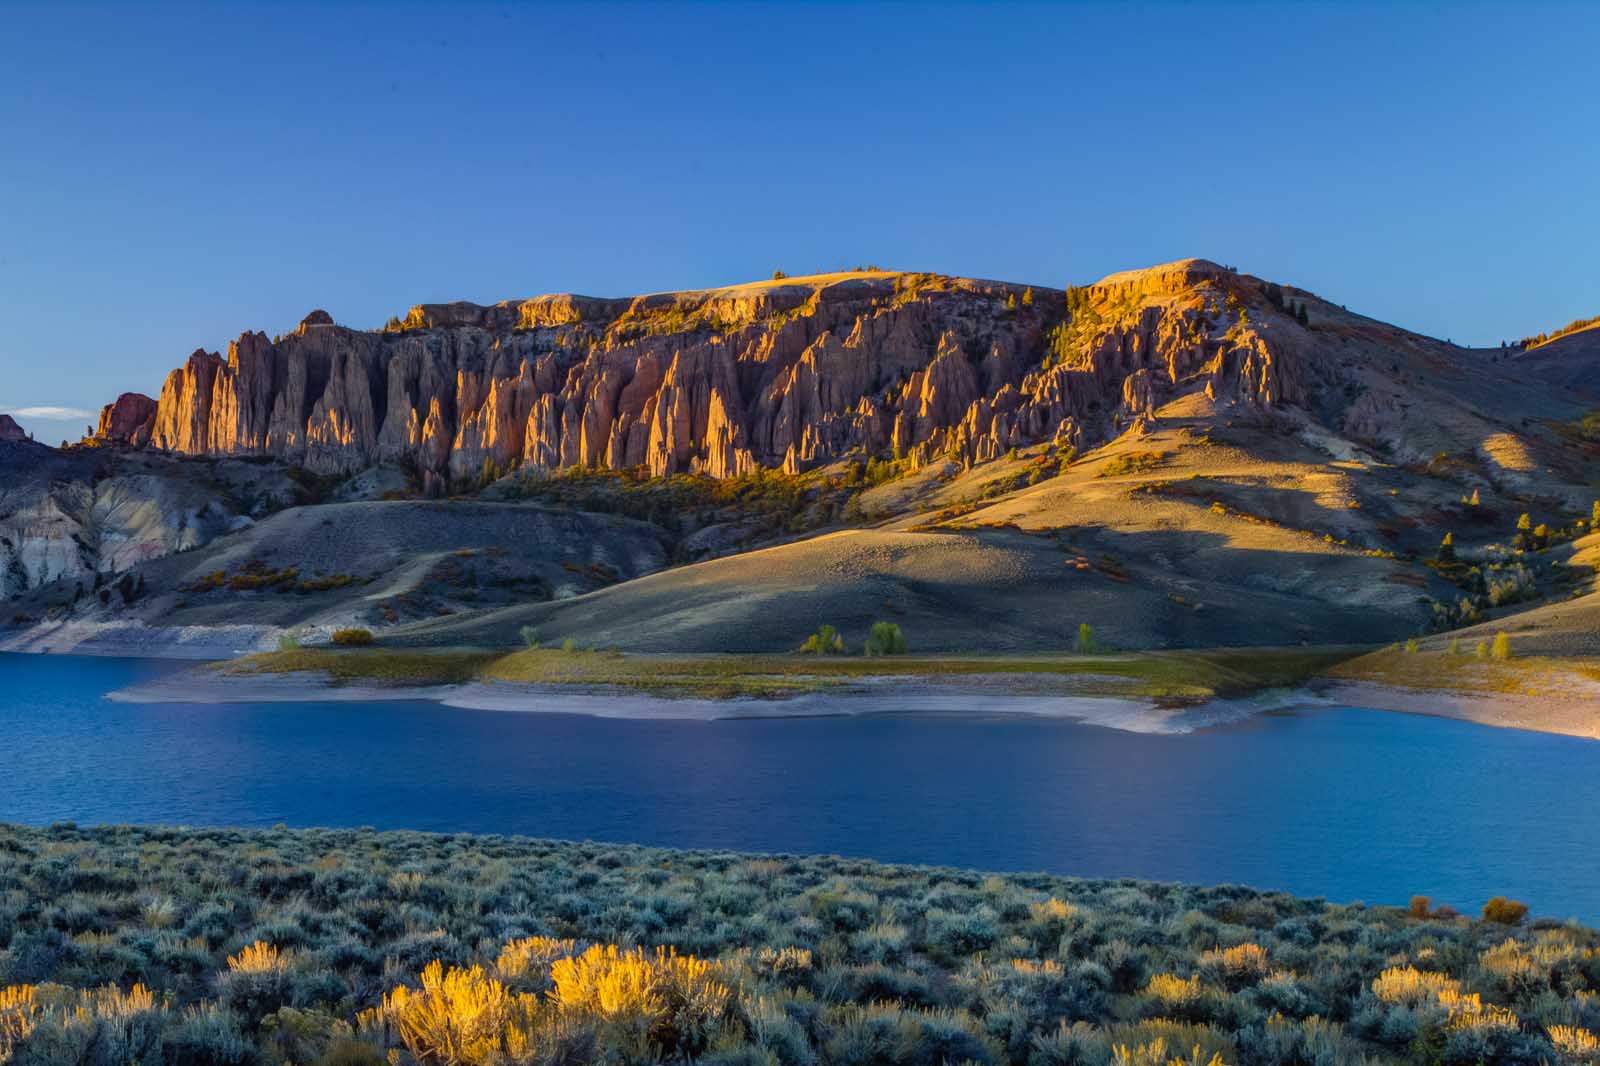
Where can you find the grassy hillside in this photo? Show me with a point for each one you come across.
(123, 945)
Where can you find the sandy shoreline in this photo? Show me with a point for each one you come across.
(925, 698)
(1571, 717)
(1567, 715)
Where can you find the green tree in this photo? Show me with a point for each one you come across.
(1085, 644)
(825, 641)
(885, 638)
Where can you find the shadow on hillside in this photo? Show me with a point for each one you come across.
(999, 590)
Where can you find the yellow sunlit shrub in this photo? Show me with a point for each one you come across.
(1575, 1044)
(606, 980)
(1468, 1011)
(1239, 964)
(677, 1000)
(19, 1007)
(456, 1016)
(1038, 968)
(782, 961)
(1155, 1053)
(113, 1004)
(1052, 910)
(1409, 985)
(530, 957)
(1172, 990)
(259, 957)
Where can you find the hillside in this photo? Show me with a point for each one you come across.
(1183, 455)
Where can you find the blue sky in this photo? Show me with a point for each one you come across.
(172, 175)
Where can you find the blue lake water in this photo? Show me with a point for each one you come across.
(1348, 804)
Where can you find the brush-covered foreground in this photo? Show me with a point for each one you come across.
(128, 945)
(1164, 676)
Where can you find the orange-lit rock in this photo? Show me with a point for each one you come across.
(791, 374)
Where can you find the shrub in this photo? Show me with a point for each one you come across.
(825, 641)
(459, 1016)
(352, 638)
(1503, 911)
(1085, 644)
(885, 638)
(530, 637)
(1501, 648)
(288, 642)
(256, 982)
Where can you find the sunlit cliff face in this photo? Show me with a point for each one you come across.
(785, 374)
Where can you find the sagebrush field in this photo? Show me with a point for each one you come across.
(131, 945)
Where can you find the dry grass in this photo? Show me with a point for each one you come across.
(1165, 676)
(368, 665)
(1466, 673)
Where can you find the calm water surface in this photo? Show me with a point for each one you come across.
(1347, 804)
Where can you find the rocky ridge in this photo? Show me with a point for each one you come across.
(788, 374)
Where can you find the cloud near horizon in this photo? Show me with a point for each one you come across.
(49, 412)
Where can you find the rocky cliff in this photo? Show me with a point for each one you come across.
(10, 432)
(790, 374)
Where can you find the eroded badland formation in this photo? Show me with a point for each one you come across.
(1183, 455)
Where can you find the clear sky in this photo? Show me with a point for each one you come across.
(172, 175)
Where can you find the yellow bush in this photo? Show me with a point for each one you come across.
(1172, 990)
(1468, 1011)
(1409, 985)
(1052, 910)
(675, 999)
(1155, 1054)
(531, 956)
(113, 1004)
(1241, 962)
(19, 1008)
(1038, 968)
(1575, 1044)
(779, 961)
(607, 981)
(259, 957)
(456, 1017)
